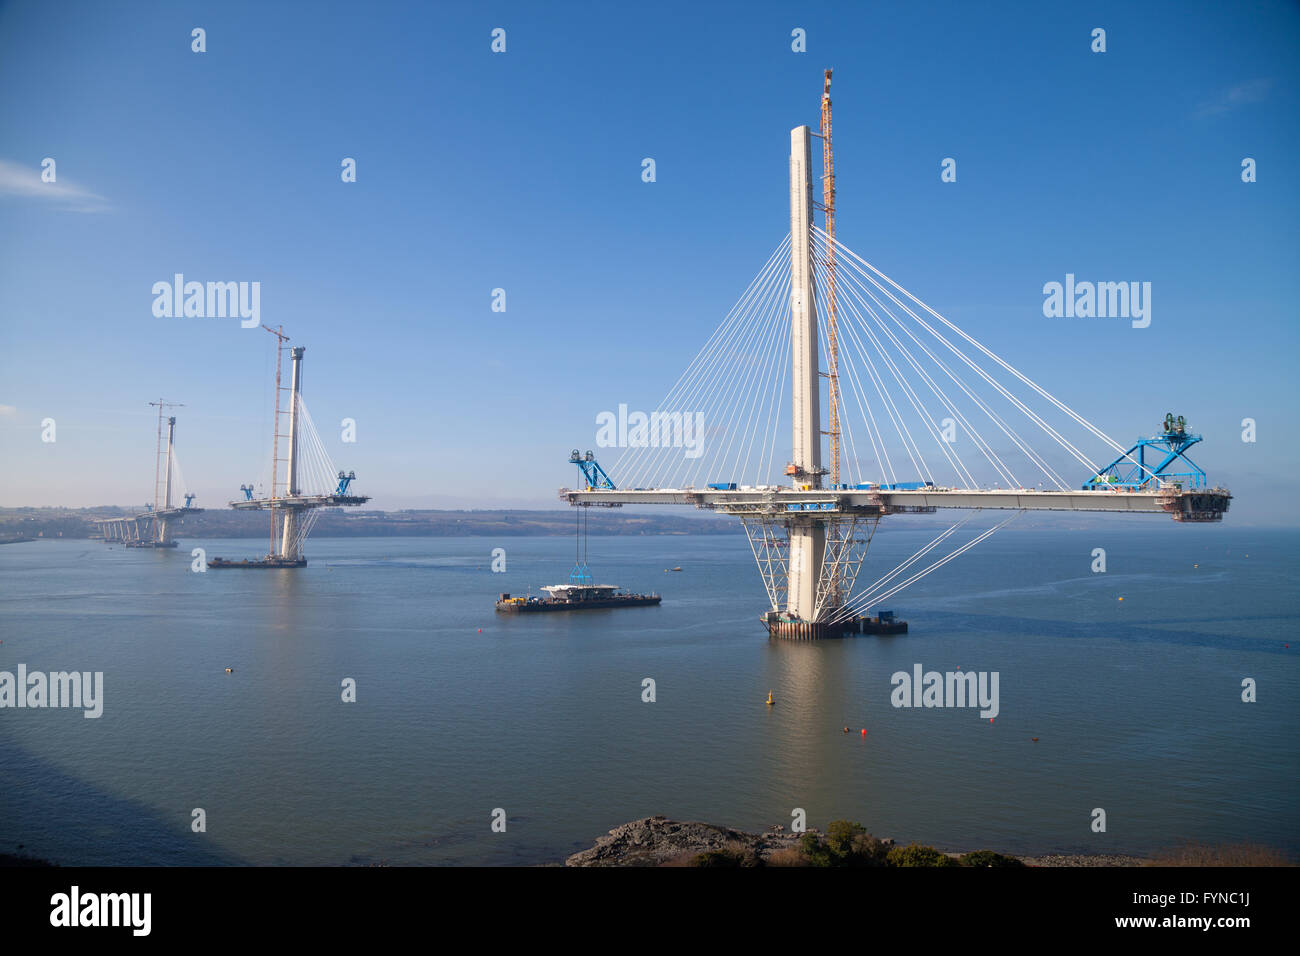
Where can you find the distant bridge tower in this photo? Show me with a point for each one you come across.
(152, 528)
(162, 520)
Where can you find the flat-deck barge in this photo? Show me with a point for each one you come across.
(576, 597)
(268, 562)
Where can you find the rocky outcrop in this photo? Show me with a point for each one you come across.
(654, 841)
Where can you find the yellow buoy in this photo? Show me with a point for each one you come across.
(770, 700)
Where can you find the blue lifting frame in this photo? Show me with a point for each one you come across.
(1131, 471)
(592, 473)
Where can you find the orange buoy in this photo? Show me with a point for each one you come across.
(846, 730)
(864, 731)
(1121, 599)
(990, 720)
(480, 630)
(1034, 739)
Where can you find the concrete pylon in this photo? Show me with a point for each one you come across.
(807, 537)
(287, 549)
(167, 484)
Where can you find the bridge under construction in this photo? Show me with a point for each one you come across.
(310, 482)
(152, 528)
(915, 383)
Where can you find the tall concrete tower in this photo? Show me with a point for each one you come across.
(287, 547)
(167, 484)
(807, 537)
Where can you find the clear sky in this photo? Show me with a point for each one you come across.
(522, 170)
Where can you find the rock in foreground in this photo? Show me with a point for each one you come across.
(657, 840)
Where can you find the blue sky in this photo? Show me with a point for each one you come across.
(522, 171)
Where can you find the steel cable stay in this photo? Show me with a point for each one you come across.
(699, 374)
(728, 394)
(319, 475)
(1053, 433)
(885, 401)
(940, 563)
(1037, 388)
(862, 604)
(845, 422)
(874, 434)
(715, 384)
(741, 384)
(998, 464)
(763, 388)
(963, 470)
(926, 418)
(721, 331)
(993, 416)
(700, 394)
(902, 566)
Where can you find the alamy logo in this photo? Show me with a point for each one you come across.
(56, 689)
(953, 689)
(213, 300)
(657, 430)
(1102, 300)
(102, 909)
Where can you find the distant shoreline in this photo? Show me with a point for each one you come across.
(41, 523)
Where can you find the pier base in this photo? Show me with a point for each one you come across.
(784, 626)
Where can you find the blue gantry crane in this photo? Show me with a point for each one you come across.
(593, 475)
(1131, 470)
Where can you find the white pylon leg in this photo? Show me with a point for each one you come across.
(807, 537)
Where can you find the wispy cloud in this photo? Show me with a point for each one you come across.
(8, 411)
(1243, 94)
(25, 182)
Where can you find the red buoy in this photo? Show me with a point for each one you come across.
(864, 731)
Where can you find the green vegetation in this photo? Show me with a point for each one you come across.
(988, 858)
(916, 855)
(726, 857)
(844, 844)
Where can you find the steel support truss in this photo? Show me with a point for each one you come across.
(847, 539)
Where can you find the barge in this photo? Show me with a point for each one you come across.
(267, 562)
(576, 597)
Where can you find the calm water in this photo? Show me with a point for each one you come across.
(1136, 704)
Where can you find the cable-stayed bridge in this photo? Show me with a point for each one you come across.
(152, 528)
(309, 483)
(919, 414)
